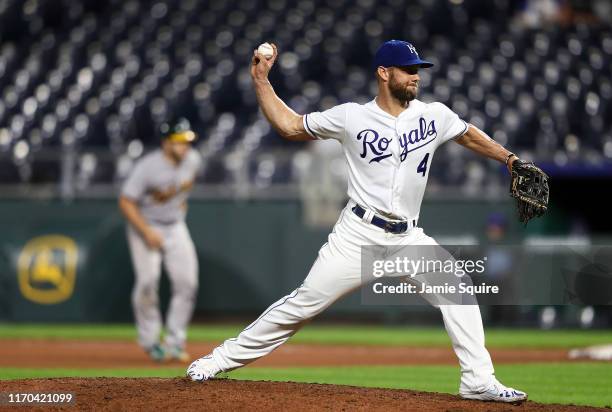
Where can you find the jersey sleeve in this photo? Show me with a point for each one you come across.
(330, 124)
(135, 185)
(452, 126)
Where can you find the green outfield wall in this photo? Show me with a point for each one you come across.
(70, 262)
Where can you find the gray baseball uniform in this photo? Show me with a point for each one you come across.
(160, 190)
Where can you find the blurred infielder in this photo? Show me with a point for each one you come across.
(389, 145)
(154, 201)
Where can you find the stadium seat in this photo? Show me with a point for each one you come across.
(93, 76)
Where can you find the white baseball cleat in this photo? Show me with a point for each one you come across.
(497, 393)
(203, 369)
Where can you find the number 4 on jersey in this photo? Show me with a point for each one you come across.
(422, 168)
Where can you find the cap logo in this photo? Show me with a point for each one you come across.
(412, 49)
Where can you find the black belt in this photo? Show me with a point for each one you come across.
(392, 227)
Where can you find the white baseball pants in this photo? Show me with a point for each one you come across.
(336, 272)
(179, 257)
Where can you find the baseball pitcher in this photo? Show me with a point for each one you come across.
(389, 144)
(154, 202)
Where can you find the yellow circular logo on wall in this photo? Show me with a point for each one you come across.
(46, 269)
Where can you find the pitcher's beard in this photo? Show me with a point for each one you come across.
(402, 93)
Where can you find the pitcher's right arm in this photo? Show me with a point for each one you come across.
(283, 119)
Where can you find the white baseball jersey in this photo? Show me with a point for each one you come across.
(388, 157)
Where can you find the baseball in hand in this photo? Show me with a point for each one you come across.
(266, 50)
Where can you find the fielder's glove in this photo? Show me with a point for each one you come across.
(529, 186)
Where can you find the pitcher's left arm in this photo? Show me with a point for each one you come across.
(479, 142)
(528, 183)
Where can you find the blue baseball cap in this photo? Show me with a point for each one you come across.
(398, 53)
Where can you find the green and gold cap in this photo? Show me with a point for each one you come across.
(178, 131)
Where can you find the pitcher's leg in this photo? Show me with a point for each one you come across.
(463, 324)
(335, 273)
(332, 276)
(145, 297)
(181, 262)
(277, 324)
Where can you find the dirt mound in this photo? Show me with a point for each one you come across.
(126, 354)
(130, 394)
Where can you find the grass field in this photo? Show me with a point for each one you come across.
(577, 383)
(328, 335)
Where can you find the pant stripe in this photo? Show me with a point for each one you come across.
(295, 292)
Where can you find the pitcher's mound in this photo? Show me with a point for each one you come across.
(157, 394)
